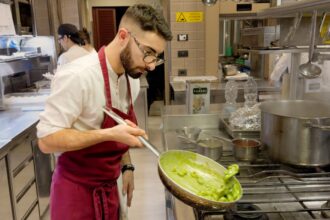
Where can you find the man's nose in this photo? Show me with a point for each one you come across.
(151, 66)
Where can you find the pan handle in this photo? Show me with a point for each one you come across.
(120, 120)
(311, 124)
(322, 127)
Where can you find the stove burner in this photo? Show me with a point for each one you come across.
(326, 213)
(231, 215)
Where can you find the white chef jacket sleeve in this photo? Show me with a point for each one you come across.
(62, 60)
(64, 105)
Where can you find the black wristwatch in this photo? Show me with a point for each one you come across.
(127, 167)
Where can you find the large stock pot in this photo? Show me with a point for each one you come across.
(296, 132)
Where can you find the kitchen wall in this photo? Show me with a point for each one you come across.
(70, 12)
(194, 64)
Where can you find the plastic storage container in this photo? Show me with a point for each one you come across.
(250, 92)
(231, 90)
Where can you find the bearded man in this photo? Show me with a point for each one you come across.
(91, 148)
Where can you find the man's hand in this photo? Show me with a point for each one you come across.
(125, 134)
(128, 186)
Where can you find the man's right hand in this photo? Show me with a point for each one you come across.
(126, 134)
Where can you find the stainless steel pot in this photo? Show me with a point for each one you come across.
(296, 132)
(210, 147)
(246, 149)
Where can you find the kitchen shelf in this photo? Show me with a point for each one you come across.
(287, 10)
(292, 9)
(321, 49)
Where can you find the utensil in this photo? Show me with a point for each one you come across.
(119, 120)
(293, 29)
(172, 157)
(209, 147)
(296, 132)
(189, 132)
(325, 28)
(245, 149)
(308, 69)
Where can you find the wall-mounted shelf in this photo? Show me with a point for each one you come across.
(320, 49)
(292, 9)
(288, 10)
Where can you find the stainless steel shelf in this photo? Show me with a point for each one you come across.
(289, 50)
(292, 9)
(288, 10)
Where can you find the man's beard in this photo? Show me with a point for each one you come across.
(127, 62)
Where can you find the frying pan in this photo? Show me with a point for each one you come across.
(182, 160)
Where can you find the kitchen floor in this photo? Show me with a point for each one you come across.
(148, 198)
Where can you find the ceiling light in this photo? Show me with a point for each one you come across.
(209, 2)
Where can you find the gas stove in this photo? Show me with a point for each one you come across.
(276, 191)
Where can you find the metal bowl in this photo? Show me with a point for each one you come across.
(246, 149)
(189, 132)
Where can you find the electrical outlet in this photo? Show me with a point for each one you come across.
(182, 37)
(183, 53)
(182, 72)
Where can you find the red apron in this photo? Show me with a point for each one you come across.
(84, 182)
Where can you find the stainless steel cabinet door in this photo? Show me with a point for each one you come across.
(5, 202)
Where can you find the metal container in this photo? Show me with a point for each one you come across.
(210, 147)
(185, 194)
(189, 132)
(246, 149)
(296, 132)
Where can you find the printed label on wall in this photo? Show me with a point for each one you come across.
(191, 16)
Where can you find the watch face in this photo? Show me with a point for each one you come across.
(127, 167)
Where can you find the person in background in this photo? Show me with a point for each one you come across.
(92, 149)
(84, 35)
(68, 38)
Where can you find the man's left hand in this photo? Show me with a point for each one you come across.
(128, 186)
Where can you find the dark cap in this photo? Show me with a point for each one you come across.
(67, 29)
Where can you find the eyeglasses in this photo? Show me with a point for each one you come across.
(149, 57)
(60, 38)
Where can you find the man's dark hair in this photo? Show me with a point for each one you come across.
(149, 19)
(71, 32)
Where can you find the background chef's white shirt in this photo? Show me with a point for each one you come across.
(77, 96)
(71, 54)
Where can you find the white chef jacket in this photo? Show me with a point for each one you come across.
(71, 54)
(77, 96)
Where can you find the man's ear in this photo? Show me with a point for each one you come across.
(123, 34)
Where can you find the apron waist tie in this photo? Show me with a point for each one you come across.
(100, 200)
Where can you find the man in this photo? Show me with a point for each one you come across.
(70, 41)
(90, 145)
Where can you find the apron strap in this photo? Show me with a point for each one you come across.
(100, 200)
(105, 74)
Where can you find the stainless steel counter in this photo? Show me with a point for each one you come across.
(13, 122)
(218, 91)
(262, 85)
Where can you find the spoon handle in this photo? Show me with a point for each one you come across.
(313, 29)
(120, 120)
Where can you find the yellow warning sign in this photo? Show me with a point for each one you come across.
(189, 16)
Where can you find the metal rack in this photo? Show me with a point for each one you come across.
(288, 10)
(280, 191)
(292, 9)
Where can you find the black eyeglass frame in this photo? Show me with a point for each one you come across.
(148, 55)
